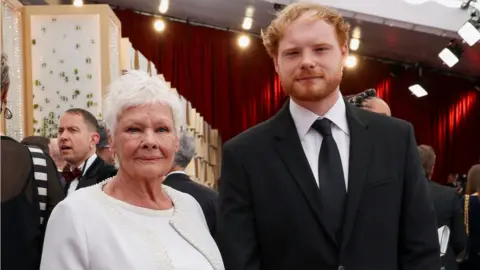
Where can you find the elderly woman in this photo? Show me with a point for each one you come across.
(132, 221)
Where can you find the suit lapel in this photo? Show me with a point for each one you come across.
(89, 178)
(291, 151)
(361, 144)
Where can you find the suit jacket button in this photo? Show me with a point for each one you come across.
(341, 267)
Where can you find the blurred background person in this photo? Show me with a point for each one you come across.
(29, 192)
(103, 148)
(447, 209)
(179, 180)
(471, 204)
(369, 101)
(132, 221)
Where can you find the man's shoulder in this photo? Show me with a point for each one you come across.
(441, 189)
(189, 186)
(385, 126)
(252, 137)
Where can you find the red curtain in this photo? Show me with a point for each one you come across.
(235, 88)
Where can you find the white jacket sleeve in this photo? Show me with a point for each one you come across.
(65, 245)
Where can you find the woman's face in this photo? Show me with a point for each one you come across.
(145, 141)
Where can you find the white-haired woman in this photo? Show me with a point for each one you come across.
(132, 221)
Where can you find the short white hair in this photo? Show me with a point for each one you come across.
(137, 88)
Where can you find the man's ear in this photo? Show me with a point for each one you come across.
(95, 138)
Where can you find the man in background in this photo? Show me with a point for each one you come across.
(180, 181)
(447, 209)
(77, 139)
(103, 147)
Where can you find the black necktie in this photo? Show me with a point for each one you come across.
(331, 179)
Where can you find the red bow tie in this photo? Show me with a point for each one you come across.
(71, 175)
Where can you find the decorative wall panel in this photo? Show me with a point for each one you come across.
(66, 68)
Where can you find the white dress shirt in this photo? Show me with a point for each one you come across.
(87, 163)
(312, 140)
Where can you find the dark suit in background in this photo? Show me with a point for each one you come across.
(449, 213)
(207, 198)
(270, 216)
(96, 173)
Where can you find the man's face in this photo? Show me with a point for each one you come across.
(310, 59)
(75, 138)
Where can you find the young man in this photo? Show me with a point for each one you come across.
(323, 184)
(77, 140)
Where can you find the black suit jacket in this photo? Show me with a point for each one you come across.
(270, 215)
(96, 173)
(449, 212)
(207, 198)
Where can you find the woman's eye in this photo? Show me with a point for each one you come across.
(133, 130)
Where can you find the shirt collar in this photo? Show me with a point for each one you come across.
(304, 118)
(177, 172)
(88, 163)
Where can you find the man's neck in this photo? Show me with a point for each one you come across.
(320, 107)
(77, 165)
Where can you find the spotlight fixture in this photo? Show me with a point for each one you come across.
(247, 23)
(164, 4)
(351, 61)
(243, 41)
(470, 31)
(417, 88)
(452, 53)
(159, 25)
(78, 3)
(354, 44)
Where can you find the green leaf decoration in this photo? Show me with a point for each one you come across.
(37, 83)
(34, 42)
(75, 71)
(66, 79)
(100, 115)
(88, 60)
(43, 88)
(93, 41)
(35, 106)
(35, 121)
(78, 27)
(62, 74)
(78, 79)
(89, 76)
(54, 19)
(51, 71)
(44, 29)
(77, 46)
(76, 92)
(61, 61)
(47, 100)
(58, 106)
(44, 65)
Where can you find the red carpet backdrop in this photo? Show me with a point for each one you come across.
(235, 89)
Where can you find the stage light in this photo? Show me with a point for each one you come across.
(470, 32)
(159, 25)
(243, 41)
(249, 11)
(163, 6)
(354, 44)
(247, 23)
(418, 90)
(451, 54)
(351, 61)
(78, 3)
